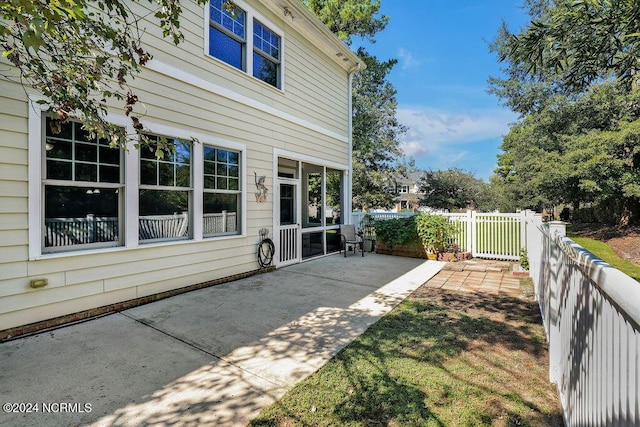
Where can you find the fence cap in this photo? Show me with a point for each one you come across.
(558, 227)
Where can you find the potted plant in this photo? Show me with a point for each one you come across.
(434, 231)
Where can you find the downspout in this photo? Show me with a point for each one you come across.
(349, 201)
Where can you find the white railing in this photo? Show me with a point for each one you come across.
(163, 226)
(485, 235)
(288, 243)
(220, 223)
(80, 231)
(90, 229)
(591, 314)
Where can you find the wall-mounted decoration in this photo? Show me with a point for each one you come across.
(261, 193)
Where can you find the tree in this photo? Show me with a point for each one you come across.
(81, 54)
(348, 18)
(583, 41)
(377, 158)
(376, 132)
(575, 152)
(452, 189)
(571, 74)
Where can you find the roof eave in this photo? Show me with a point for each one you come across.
(296, 15)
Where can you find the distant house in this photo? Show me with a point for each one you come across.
(266, 93)
(408, 198)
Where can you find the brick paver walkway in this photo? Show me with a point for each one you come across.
(477, 276)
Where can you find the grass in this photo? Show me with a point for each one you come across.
(607, 254)
(439, 359)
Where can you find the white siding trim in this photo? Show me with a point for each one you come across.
(208, 86)
(35, 175)
(131, 190)
(277, 152)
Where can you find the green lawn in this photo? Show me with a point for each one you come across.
(606, 253)
(439, 359)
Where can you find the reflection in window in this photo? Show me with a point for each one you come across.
(266, 54)
(312, 244)
(334, 208)
(222, 192)
(82, 189)
(314, 197)
(227, 34)
(165, 193)
(287, 205)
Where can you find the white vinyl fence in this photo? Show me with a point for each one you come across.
(485, 235)
(591, 314)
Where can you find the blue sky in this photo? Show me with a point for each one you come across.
(441, 78)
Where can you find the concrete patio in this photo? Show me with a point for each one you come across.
(215, 356)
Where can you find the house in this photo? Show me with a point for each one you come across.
(265, 93)
(408, 193)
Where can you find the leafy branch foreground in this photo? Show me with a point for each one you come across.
(439, 359)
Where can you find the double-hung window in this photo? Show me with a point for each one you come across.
(245, 42)
(222, 192)
(266, 54)
(83, 189)
(165, 196)
(227, 34)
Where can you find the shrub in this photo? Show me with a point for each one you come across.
(434, 231)
(396, 231)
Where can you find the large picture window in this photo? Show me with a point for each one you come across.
(222, 192)
(165, 193)
(82, 189)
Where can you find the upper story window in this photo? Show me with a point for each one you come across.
(245, 42)
(266, 54)
(227, 34)
(83, 184)
(404, 189)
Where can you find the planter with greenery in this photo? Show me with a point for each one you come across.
(398, 236)
(419, 236)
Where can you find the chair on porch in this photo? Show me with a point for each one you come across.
(349, 238)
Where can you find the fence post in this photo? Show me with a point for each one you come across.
(556, 229)
(472, 235)
(523, 230)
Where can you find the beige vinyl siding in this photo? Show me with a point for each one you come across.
(315, 92)
(14, 221)
(314, 83)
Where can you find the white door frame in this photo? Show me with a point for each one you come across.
(288, 237)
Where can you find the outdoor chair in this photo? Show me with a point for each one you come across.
(349, 238)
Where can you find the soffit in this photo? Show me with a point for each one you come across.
(298, 17)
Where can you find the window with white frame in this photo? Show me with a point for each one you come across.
(82, 189)
(227, 34)
(266, 54)
(222, 191)
(165, 195)
(258, 53)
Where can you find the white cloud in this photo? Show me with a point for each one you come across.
(445, 138)
(407, 61)
(435, 127)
